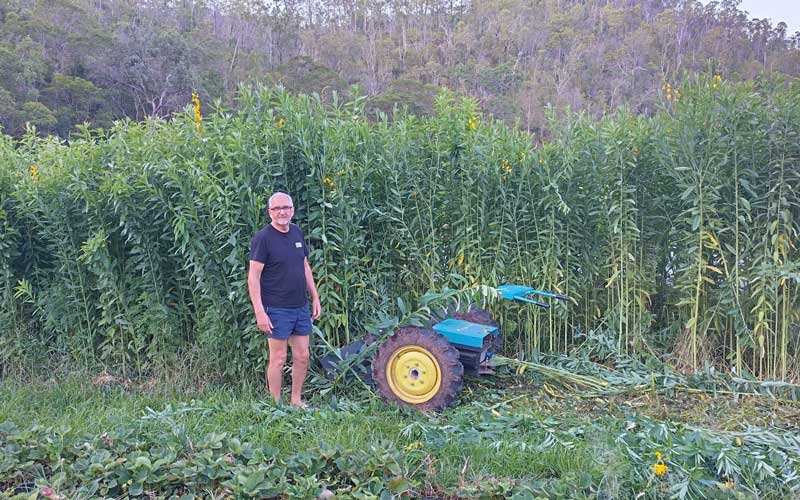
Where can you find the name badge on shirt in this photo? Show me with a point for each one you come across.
(298, 244)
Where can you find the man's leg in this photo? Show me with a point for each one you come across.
(300, 355)
(277, 358)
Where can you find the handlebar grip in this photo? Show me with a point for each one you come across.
(534, 302)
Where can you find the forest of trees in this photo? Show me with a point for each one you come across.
(68, 62)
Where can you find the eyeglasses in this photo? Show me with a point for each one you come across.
(282, 209)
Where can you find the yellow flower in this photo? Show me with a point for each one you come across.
(473, 122)
(34, 170)
(671, 93)
(505, 167)
(197, 116)
(728, 484)
(413, 446)
(280, 122)
(660, 469)
(329, 182)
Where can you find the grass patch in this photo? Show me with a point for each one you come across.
(502, 440)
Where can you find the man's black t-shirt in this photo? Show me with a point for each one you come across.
(283, 280)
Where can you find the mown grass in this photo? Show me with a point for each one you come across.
(500, 434)
(475, 446)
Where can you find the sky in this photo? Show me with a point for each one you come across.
(787, 11)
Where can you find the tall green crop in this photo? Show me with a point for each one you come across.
(128, 248)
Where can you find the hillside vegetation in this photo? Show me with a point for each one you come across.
(66, 62)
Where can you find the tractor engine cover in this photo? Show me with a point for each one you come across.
(473, 341)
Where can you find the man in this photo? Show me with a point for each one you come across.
(278, 280)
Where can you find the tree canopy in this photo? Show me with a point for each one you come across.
(66, 62)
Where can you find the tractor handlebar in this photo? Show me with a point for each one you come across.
(520, 293)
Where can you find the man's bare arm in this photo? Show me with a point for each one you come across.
(254, 287)
(316, 306)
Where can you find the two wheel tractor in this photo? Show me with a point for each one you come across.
(425, 367)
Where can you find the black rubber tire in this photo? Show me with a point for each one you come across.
(451, 369)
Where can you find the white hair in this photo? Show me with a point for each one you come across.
(279, 193)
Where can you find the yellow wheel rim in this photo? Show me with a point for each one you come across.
(413, 374)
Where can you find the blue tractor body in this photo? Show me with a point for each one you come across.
(475, 343)
(466, 334)
(424, 367)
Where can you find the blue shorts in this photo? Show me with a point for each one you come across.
(288, 321)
